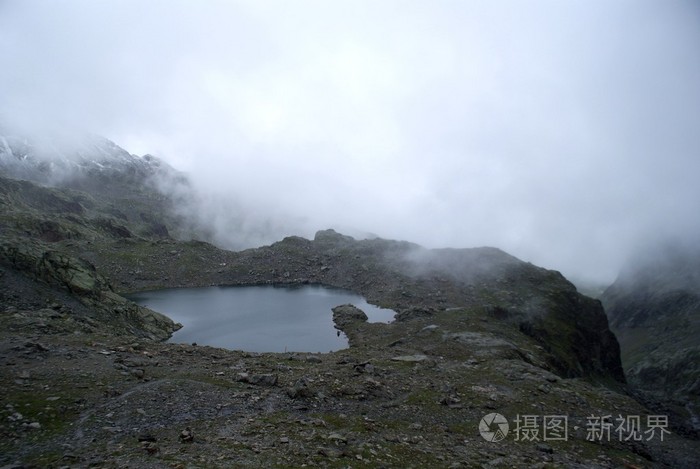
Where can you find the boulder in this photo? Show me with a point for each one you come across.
(346, 315)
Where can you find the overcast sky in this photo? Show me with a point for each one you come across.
(564, 132)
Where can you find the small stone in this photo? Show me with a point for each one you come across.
(34, 426)
(337, 437)
(372, 383)
(284, 439)
(263, 379)
(545, 448)
(187, 435)
(300, 390)
(146, 437)
(36, 345)
(451, 401)
(150, 447)
(135, 362)
(330, 452)
(365, 367)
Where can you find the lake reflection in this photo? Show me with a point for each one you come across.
(258, 318)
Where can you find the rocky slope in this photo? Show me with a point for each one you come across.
(31, 275)
(87, 381)
(95, 176)
(654, 308)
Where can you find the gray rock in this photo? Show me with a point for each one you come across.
(262, 379)
(337, 437)
(300, 390)
(545, 448)
(330, 452)
(187, 435)
(345, 315)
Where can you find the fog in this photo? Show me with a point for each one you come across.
(565, 133)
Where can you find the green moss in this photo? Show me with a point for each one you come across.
(54, 416)
(46, 459)
(424, 398)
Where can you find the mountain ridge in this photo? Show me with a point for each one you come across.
(53, 161)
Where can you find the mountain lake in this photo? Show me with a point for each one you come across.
(258, 318)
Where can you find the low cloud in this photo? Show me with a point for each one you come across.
(564, 133)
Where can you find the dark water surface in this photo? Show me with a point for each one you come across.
(258, 318)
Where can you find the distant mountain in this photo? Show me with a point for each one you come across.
(654, 309)
(142, 190)
(60, 161)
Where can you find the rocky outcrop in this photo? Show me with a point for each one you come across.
(654, 309)
(348, 318)
(75, 275)
(346, 315)
(80, 280)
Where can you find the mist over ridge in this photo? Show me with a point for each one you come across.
(564, 135)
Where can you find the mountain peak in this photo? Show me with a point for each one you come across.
(53, 160)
